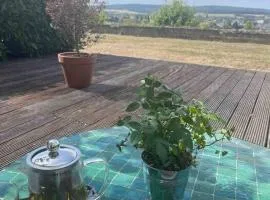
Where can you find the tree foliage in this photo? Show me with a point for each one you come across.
(25, 29)
(169, 130)
(175, 14)
(74, 19)
(248, 25)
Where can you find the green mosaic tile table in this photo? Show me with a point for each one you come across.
(244, 173)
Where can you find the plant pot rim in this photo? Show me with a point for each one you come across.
(72, 53)
(149, 166)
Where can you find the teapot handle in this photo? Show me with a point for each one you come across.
(88, 162)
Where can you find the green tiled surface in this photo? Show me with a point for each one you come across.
(244, 173)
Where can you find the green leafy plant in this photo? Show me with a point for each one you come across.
(25, 29)
(169, 130)
(74, 20)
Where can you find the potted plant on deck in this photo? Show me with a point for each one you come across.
(73, 19)
(170, 132)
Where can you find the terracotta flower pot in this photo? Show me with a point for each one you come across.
(78, 70)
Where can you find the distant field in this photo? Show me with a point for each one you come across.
(233, 55)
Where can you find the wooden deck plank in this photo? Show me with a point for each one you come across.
(215, 100)
(259, 123)
(215, 85)
(202, 82)
(243, 112)
(228, 105)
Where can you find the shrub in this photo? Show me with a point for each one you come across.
(248, 25)
(25, 29)
(175, 14)
(74, 19)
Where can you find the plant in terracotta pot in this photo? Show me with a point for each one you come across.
(73, 19)
(169, 132)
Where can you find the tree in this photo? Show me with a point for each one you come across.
(236, 25)
(248, 25)
(227, 24)
(175, 14)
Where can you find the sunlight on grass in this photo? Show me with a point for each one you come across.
(235, 55)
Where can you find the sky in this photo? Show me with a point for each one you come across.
(239, 3)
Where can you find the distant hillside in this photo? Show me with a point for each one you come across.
(134, 7)
(232, 10)
(143, 8)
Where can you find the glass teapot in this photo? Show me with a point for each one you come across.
(55, 173)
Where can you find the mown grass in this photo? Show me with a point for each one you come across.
(232, 55)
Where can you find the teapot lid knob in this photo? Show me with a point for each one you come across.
(53, 147)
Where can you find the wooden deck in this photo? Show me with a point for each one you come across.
(35, 105)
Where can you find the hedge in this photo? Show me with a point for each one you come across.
(25, 29)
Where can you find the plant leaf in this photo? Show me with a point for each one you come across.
(164, 95)
(120, 123)
(161, 150)
(148, 81)
(132, 107)
(145, 105)
(135, 137)
(127, 118)
(224, 153)
(134, 125)
(157, 84)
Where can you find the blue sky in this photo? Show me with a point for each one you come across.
(240, 3)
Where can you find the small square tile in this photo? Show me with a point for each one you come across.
(140, 174)
(211, 151)
(112, 148)
(138, 184)
(90, 173)
(245, 158)
(246, 189)
(264, 188)
(226, 171)
(263, 169)
(208, 160)
(208, 169)
(201, 196)
(116, 192)
(263, 178)
(6, 176)
(206, 187)
(248, 175)
(136, 195)
(208, 178)
(225, 186)
(135, 162)
(130, 170)
(193, 172)
(116, 164)
(263, 197)
(20, 180)
(245, 196)
(123, 180)
(228, 162)
(222, 198)
(106, 155)
(187, 194)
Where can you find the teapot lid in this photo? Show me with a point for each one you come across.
(55, 156)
